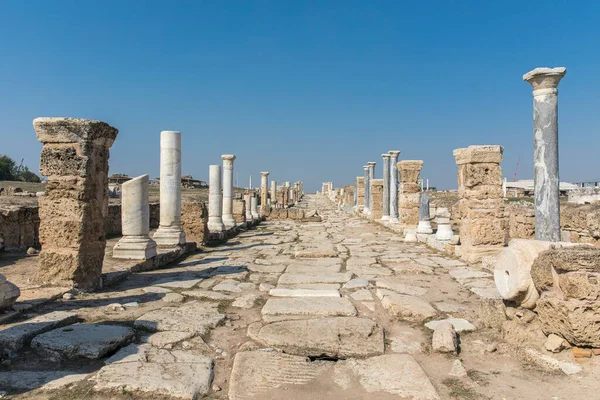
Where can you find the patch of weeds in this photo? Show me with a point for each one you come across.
(479, 377)
(458, 390)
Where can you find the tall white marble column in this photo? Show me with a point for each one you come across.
(135, 222)
(248, 199)
(371, 165)
(169, 232)
(386, 187)
(215, 201)
(367, 184)
(228, 218)
(394, 186)
(273, 193)
(545, 151)
(264, 189)
(254, 207)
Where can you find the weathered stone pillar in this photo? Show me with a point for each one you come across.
(444, 228)
(367, 184)
(9, 293)
(394, 216)
(371, 165)
(376, 199)
(248, 200)
(386, 187)
(264, 189)
(135, 222)
(239, 211)
(254, 207)
(273, 193)
(228, 219)
(169, 232)
(424, 217)
(481, 207)
(409, 192)
(72, 210)
(545, 151)
(360, 193)
(215, 201)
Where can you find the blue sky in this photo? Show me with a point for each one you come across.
(309, 90)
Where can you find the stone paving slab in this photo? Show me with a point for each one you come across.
(13, 337)
(293, 279)
(309, 306)
(29, 380)
(207, 294)
(194, 316)
(91, 341)
(313, 269)
(338, 337)
(312, 286)
(393, 284)
(280, 292)
(409, 307)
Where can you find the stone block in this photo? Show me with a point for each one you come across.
(479, 154)
(377, 199)
(194, 221)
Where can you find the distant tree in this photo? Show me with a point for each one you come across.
(27, 176)
(8, 168)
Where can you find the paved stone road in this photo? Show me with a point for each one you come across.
(328, 310)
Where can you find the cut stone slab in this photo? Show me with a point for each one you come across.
(246, 301)
(175, 284)
(166, 340)
(321, 251)
(486, 293)
(197, 317)
(258, 374)
(14, 336)
(294, 279)
(400, 287)
(172, 298)
(318, 262)
(464, 274)
(156, 289)
(356, 283)
(313, 269)
(397, 374)
(459, 324)
(280, 292)
(370, 270)
(447, 262)
(180, 374)
(408, 307)
(207, 294)
(407, 341)
(312, 286)
(444, 338)
(362, 295)
(338, 337)
(450, 306)
(91, 341)
(228, 285)
(267, 268)
(48, 380)
(309, 307)
(409, 268)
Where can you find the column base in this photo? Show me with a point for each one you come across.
(166, 236)
(424, 227)
(411, 236)
(215, 225)
(385, 217)
(229, 222)
(135, 248)
(444, 232)
(394, 220)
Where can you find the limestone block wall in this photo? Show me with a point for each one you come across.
(74, 157)
(521, 221)
(239, 210)
(409, 192)
(360, 184)
(19, 227)
(377, 196)
(481, 206)
(194, 220)
(112, 222)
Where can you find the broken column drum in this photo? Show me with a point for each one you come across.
(169, 232)
(72, 210)
(135, 222)
(228, 218)
(215, 200)
(444, 228)
(424, 217)
(394, 185)
(545, 151)
(386, 187)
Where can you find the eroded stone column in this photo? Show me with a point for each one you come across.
(394, 216)
(376, 193)
(371, 165)
(367, 188)
(424, 216)
(215, 201)
(72, 210)
(386, 187)
(228, 218)
(273, 194)
(264, 189)
(135, 221)
(254, 207)
(248, 205)
(480, 206)
(545, 151)
(360, 193)
(169, 232)
(409, 192)
(444, 227)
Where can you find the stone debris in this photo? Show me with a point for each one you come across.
(190, 317)
(459, 324)
(207, 294)
(13, 337)
(91, 341)
(556, 344)
(173, 298)
(166, 340)
(246, 301)
(458, 370)
(408, 307)
(445, 339)
(551, 364)
(338, 337)
(9, 293)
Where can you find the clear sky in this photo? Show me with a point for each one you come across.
(309, 90)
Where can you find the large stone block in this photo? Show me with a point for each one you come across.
(479, 154)
(473, 175)
(239, 211)
(194, 219)
(409, 170)
(377, 199)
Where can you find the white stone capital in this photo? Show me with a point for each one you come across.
(545, 78)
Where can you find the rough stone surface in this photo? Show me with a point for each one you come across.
(444, 338)
(338, 337)
(459, 324)
(246, 301)
(309, 306)
(91, 341)
(191, 317)
(404, 306)
(9, 293)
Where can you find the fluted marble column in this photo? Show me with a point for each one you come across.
(386, 187)
(394, 186)
(545, 151)
(135, 222)
(367, 189)
(371, 165)
(215, 201)
(264, 189)
(169, 232)
(228, 218)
